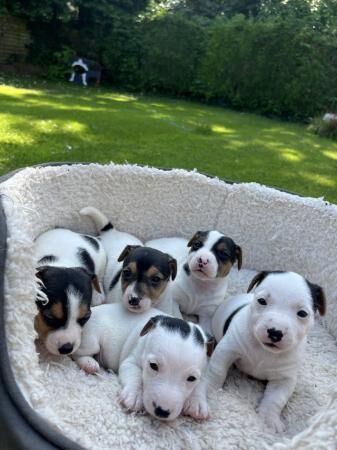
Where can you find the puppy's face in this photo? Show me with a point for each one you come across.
(283, 309)
(212, 255)
(173, 360)
(60, 320)
(145, 275)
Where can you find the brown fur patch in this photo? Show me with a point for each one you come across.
(57, 310)
(153, 272)
(224, 269)
(83, 311)
(40, 327)
(199, 236)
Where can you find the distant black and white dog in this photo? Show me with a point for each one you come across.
(204, 263)
(160, 359)
(139, 277)
(264, 334)
(69, 265)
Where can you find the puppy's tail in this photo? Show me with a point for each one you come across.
(101, 222)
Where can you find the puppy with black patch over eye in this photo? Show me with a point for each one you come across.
(137, 276)
(204, 264)
(69, 265)
(264, 334)
(160, 359)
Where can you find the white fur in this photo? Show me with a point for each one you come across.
(199, 293)
(114, 334)
(244, 342)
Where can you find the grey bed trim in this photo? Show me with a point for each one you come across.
(21, 428)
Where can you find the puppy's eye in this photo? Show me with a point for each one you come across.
(84, 319)
(222, 255)
(262, 301)
(191, 378)
(196, 245)
(154, 366)
(302, 313)
(127, 274)
(155, 280)
(52, 321)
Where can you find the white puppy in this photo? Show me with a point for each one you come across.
(68, 266)
(160, 359)
(204, 263)
(264, 334)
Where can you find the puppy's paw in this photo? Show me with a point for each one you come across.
(196, 408)
(131, 399)
(272, 422)
(88, 364)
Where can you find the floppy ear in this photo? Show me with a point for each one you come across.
(95, 283)
(238, 254)
(193, 238)
(149, 325)
(173, 267)
(318, 298)
(210, 345)
(40, 271)
(127, 250)
(257, 280)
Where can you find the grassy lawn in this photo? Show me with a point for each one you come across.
(61, 122)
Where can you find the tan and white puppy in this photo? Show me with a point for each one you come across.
(160, 359)
(204, 263)
(69, 265)
(264, 334)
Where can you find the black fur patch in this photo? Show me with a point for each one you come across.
(228, 250)
(175, 325)
(230, 318)
(146, 257)
(115, 280)
(187, 269)
(198, 337)
(47, 259)
(260, 277)
(107, 227)
(92, 241)
(86, 260)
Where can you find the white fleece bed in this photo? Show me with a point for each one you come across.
(277, 231)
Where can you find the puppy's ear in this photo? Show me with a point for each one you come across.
(41, 271)
(238, 255)
(257, 280)
(210, 345)
(127, 250)
(173, 267)
(194, 238)
(95, 283)
(318, 297)
(149, 325)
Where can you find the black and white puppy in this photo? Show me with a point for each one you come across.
(160, 359)
(264, 334)
(137, 276)
(202, 278)
(68, 266)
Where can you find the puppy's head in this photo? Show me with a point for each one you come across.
(283, 309)
(174, 358)
(63, 307)
(145, 275)
(212, 255)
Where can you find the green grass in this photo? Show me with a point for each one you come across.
(60, 122)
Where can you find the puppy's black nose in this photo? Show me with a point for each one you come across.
(274, 335)
(159, 412)
(134, 301)
(66, 348)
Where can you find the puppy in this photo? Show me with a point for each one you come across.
(160, 359)
(202, 278)
(68, 266)
(264, 334)
(137, 276)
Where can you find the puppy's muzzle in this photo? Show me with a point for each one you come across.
(274, 335)
(202, 262)
(134, 301)
(65, 349)
(160, 412)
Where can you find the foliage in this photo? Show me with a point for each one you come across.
(324, 128)
(60, 67)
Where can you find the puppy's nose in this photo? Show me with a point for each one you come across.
(134, 301)
(202, 261)
(66, 348)
(274, 335)
(159, 412)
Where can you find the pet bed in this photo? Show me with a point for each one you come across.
(48, 403)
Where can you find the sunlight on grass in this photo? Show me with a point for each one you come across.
(292, 155)
(331, 155)
(118, 97)
(222, 129)
(320, 179)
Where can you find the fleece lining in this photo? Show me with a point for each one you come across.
(276, 230)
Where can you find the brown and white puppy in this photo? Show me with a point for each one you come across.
(143, 280)
(69, 266)
(204, 263)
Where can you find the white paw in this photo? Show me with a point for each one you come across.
(88, 364)
(196, 408)
(97, 299)
(131, 398)
(273, 422)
